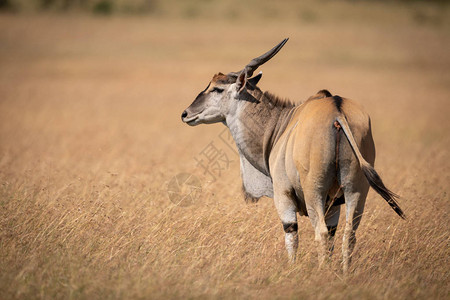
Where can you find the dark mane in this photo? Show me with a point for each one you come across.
(278, 101)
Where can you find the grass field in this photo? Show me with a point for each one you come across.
(91, 139)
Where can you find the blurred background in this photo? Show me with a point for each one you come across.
(421, 11)
(105, 193)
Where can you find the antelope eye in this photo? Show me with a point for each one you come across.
(217, 90)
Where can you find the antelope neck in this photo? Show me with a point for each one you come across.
(256, 126)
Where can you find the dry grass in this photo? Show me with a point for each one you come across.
(90, 136)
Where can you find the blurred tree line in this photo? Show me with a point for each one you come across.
(96, 6)
(143, 6)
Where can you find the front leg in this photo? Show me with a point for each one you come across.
(287, 211)
(332, 220)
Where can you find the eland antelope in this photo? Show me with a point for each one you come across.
(310, 158)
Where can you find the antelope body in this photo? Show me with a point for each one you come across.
(309, 158)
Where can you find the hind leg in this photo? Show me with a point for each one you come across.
(315, 205)
(355, 199)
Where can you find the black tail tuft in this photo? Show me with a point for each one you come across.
(377, 184)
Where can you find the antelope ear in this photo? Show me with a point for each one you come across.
(254, 80)
(241, 80)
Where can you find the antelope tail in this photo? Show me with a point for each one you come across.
(371, 175)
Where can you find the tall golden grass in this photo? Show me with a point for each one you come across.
(90, 138)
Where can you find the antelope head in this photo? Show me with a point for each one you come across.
(221, 95)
